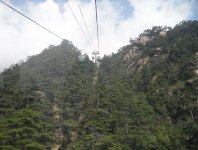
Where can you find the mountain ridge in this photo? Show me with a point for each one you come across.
(143, 97)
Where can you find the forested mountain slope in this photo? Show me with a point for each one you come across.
(143, 97)
(148, 91)
(39, 96)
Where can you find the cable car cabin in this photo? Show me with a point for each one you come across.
(81, 58)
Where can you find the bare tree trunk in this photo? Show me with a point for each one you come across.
(191, 113)
(61, 108)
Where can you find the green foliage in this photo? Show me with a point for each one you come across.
(23, 129)
(70, 124)
(28, 91)
(144, 97)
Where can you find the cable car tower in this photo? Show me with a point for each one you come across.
(95, 54)
(95, 57)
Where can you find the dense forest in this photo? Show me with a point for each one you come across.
(144, 97)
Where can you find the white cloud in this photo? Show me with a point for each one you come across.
(20, 38)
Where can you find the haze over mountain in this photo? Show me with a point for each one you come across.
(143, 97)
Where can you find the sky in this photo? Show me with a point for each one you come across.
(119, 20)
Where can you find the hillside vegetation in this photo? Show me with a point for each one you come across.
(145, 97)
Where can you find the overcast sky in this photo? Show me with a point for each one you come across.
(118, 21)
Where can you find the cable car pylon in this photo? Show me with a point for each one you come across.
(95, 54)
(95, 57)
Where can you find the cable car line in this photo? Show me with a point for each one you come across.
(76, 19)
(83, 18)
(97, 23)
(32, 20)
